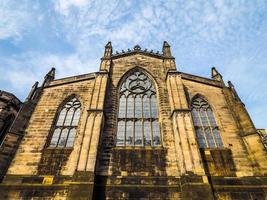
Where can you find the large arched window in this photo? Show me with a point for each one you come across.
(207, 131)
(138, 112)
(64, 129)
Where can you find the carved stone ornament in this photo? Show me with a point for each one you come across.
(137, 83)
(137, 48)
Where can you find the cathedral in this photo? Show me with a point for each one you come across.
(136, 129)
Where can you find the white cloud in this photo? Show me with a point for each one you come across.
(15, 18)
(64, 6)
(27, 68)
(128, 22)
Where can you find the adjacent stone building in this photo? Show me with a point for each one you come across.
(136, 129)
(9, 108)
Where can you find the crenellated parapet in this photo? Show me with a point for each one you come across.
(138, 50)
(165, 55)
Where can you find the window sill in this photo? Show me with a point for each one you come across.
(216, 148)
(208, 151)
(138, 147)
(58, 149)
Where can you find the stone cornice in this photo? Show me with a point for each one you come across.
(195, 78)
(73, 79)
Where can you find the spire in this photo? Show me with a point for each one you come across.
(166, 50)
(49, 76)
(232, 88)
(216, 75)
(108, 49)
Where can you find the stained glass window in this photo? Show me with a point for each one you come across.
(207, 131)
(138, 112)
(66, 125)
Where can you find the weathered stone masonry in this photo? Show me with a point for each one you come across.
(96, 168)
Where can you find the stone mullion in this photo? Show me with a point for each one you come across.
(70, 127)
(125, 130)
(142, 116)
(211, 129)
(134, 119)
(151, 121)
(62, 127)
(203, 128)
(125, 119)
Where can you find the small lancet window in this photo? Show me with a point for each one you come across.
(207, 131)
(138, 112)
(65, 127)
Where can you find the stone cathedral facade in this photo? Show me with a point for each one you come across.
(136, 129)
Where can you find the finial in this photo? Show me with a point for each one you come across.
(216, 75)
(51, 73)
(108, 44)
(166, 49)
(49, 76)
(137, 48)
(230, 84)
(35, 85)
(232, 88)
(108, 49)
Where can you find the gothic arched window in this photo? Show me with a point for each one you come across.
(138, 112)
(65, 127)
(207, 131)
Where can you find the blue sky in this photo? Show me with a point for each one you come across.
(71, 34)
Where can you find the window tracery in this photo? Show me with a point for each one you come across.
(138, 112)
(65, 127)
(207, 131)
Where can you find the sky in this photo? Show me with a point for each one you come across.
(70, 35)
